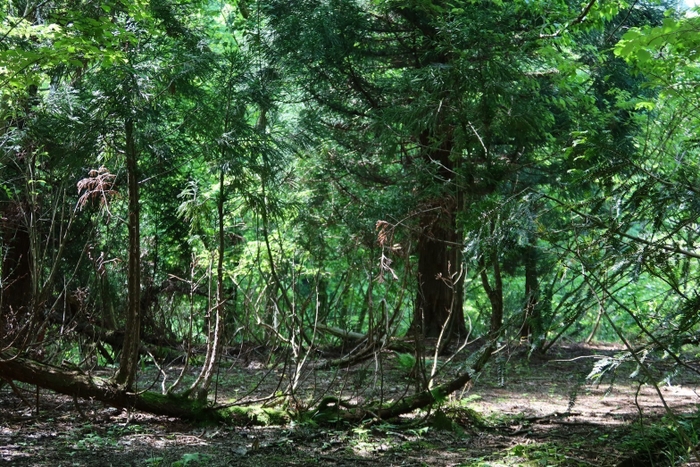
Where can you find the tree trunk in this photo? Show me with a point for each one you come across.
(16, 276)
(439, 301)
(215, 329)
(531, 320)
(77, 384)
(439, 304)
(494, 292)
(128, 364)
(17, 283)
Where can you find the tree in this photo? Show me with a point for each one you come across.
(108, 64)
(128, 364)
(652, 238)
(35, 51)
(436, 107)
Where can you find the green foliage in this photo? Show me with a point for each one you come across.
(257, 415)
(670, 440)
(539, 453)
(318, 146)
(441, 422)
(194, 458)
(406, 361)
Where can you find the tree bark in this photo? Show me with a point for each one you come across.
(16, 275)
(77, 384)
(439, 307)
(128, 364)
(531, 320)
(439, 300)
(17, 292)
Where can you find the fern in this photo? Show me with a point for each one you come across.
(406, 361)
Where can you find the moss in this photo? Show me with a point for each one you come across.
(255, 415)
(440, 421)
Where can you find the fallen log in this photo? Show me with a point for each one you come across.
(333, 410)
(341, 333)
(81, 385)
(364, 349)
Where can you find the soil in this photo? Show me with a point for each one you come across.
(522, 410)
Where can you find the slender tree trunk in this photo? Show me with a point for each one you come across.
(531, 321)
(494, 292)
(128, 364)
(596, 326)
(366, 305)
(215, 332)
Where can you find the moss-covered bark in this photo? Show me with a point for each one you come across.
(77, 384)
(332, 409)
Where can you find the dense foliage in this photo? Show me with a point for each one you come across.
(181, 178)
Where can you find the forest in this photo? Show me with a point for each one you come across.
(350, 232)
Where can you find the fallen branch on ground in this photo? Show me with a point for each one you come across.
(77, 384)
(332, 409)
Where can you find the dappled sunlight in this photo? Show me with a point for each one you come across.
(542, 412)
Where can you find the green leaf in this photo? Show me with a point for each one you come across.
(647, 105)
(643, 55)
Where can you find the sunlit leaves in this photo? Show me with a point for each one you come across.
(668, 54)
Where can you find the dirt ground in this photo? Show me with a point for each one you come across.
(522, 410)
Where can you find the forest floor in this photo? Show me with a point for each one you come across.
(529, 411)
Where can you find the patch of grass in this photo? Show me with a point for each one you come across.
(92, 441)
(192, 459)
(667, 441)
(464, 415)
(539, 454)
(419, 445)
(528, 455)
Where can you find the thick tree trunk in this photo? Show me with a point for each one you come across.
(16, 277)
(439, 300)
(439, 304)
(17, 284)
(128, 364)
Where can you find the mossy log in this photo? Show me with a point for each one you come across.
(331, 409)
(77, 384)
